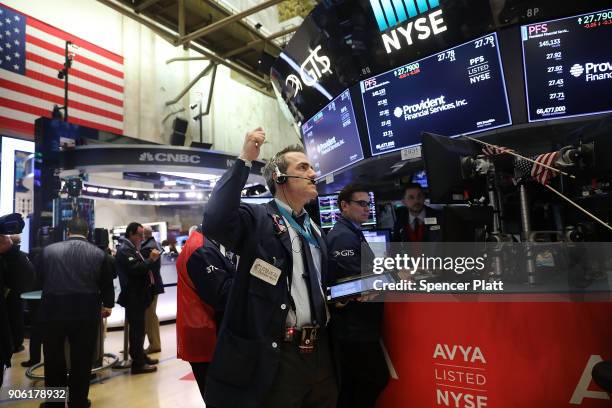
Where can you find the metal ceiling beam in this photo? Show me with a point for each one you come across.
(252, 44)
(172, 38)
(195, 80)
(181, 21)
(228, 20)
(186, 59)
(157, 29)
(145, 4)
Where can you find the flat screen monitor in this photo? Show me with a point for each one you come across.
(458, 91)
(567, 64)
(329, 210)
(331, 137)
(379, 240)
(420, 177)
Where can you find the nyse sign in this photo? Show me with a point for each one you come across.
(403, 13)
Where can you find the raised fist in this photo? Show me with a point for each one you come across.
(252, 144)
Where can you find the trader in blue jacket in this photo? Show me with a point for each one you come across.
(273, 347)
(356, 324)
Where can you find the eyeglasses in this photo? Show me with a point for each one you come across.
(361, 203)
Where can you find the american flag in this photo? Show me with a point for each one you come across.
(492, 150)
(540, 173)
(32, 53)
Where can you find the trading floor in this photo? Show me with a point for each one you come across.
(171, 386)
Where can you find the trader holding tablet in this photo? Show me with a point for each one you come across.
(356, 325)
(273, 349)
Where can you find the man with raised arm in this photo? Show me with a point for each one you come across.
(273, 348)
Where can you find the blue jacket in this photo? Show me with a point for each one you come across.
(212, 274)
(357, 321)
(246, 359)
(133, 271)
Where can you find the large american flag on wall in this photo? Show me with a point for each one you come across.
(32, 53)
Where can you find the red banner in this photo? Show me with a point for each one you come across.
(496, 355)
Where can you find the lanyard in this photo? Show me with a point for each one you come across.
(305, 232)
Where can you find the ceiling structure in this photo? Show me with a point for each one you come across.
(218, 33)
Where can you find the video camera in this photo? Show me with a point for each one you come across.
(11, 224)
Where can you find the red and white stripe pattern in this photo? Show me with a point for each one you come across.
(96, 80)
(540, 173)
(493, 150)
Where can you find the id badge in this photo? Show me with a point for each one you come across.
(266, 272)
(431, 220)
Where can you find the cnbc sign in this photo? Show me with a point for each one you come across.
(404, 22)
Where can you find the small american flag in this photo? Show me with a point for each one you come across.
(32, 53)
(539, 173)
(492, 150)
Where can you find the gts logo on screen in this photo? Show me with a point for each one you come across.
(391, 13)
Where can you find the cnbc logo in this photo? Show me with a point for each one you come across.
(577, 70)
(404, 22)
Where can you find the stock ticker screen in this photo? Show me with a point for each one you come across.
(457, 91)
(568, 66)
(331, 137)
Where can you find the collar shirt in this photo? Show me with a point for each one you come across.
(299, 288)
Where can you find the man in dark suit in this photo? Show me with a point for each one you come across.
(356, 324)
(136, 279)
(77, 289)
(16, 273)
(417, 222)
(273, 348)
(151, 319)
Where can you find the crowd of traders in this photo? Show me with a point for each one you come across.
(252, 316)
(251, 313)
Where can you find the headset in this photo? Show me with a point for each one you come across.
(283, 178)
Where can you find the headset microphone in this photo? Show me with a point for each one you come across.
(283, 178)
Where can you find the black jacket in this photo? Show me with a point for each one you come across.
(433, 230)
(212, 274)
(246, 358)
(357, 321)
(147, 247)
(134, 278)
(16, 273)
(76, 280)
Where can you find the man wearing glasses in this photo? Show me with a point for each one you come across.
(417, 222)
(356, 324)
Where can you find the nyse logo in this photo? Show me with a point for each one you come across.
(389, 14)
(311, 70)
(402, 9)
(169, 158)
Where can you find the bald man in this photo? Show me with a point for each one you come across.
(151, 320)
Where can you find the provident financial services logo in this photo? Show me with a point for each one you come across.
(390, 13)
(577, 70)
(398, 23)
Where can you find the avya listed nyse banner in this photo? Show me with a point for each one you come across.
(460, 90)
(568, 66)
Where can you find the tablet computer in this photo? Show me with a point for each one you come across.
(357, 286)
